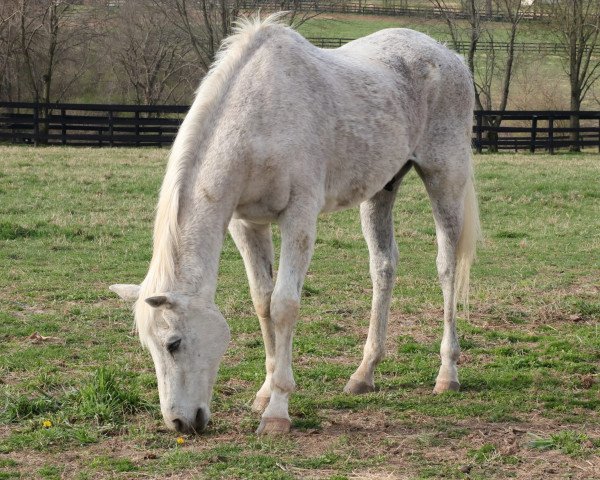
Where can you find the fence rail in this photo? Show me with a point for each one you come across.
(131, 125)
(545, 48)
(535, 130)
(89, 125)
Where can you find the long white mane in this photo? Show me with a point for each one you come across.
(233, 53)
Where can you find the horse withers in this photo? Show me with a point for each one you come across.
(280, 131)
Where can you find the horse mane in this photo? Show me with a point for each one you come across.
(232, 54)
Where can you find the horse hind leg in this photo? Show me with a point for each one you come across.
(377, 226)
(255, 244)
(457, 229)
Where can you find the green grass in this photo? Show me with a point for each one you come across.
(568, 442)
(355, 26)
(73, 221)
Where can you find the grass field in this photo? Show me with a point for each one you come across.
(79, 400)
(355, 26)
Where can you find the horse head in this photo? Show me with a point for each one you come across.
(186, 339)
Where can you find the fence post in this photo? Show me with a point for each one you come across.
(46, 123)
(551, 135)
(63, 125)
(36, 124)
(111, 128)
(478, 146)
(599, 135)
(533, 134)
(13, 129)
(137, 128)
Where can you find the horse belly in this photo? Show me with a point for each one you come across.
(358, 180)
(356, 192)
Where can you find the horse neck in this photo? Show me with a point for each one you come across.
(202, 231)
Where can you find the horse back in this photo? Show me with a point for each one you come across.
(338, 122)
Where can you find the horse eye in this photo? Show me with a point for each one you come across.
(173, 346)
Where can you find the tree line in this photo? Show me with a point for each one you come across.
(143, 51)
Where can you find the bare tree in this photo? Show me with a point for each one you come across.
(514, 13)
(205, 23)
(576, 24)
(149, 54)
(298, 14)
(51, 41)
(7, 13)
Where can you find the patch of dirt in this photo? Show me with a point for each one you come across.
(373, 434)
(24, 310)
(5, 432)
(424, 327)
(74, 463)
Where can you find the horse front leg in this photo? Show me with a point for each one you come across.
(298, 232)
(255, 243)
(378, 230)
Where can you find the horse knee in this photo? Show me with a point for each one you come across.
(263, 308)
(383, 273)
(284, 310)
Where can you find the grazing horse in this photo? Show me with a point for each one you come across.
(280, 131)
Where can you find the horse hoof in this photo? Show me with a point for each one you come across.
(357, 387)
(260, 403)
(274, 426)
(442, 386)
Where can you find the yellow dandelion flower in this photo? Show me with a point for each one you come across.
(47, 424)
(180, 440)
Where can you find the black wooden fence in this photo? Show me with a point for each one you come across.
(131, 125)
(544, 48)
(89, 125)
(535, 130)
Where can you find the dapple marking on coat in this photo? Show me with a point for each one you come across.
(280, 131)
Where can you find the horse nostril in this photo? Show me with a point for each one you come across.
(178, 425)
(201, 419)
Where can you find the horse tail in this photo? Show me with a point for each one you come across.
(467, 244)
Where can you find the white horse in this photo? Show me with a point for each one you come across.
(280, 131)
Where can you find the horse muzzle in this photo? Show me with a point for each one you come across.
(196, 425)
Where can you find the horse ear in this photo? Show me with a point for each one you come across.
(126, 292)
(163, 300)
